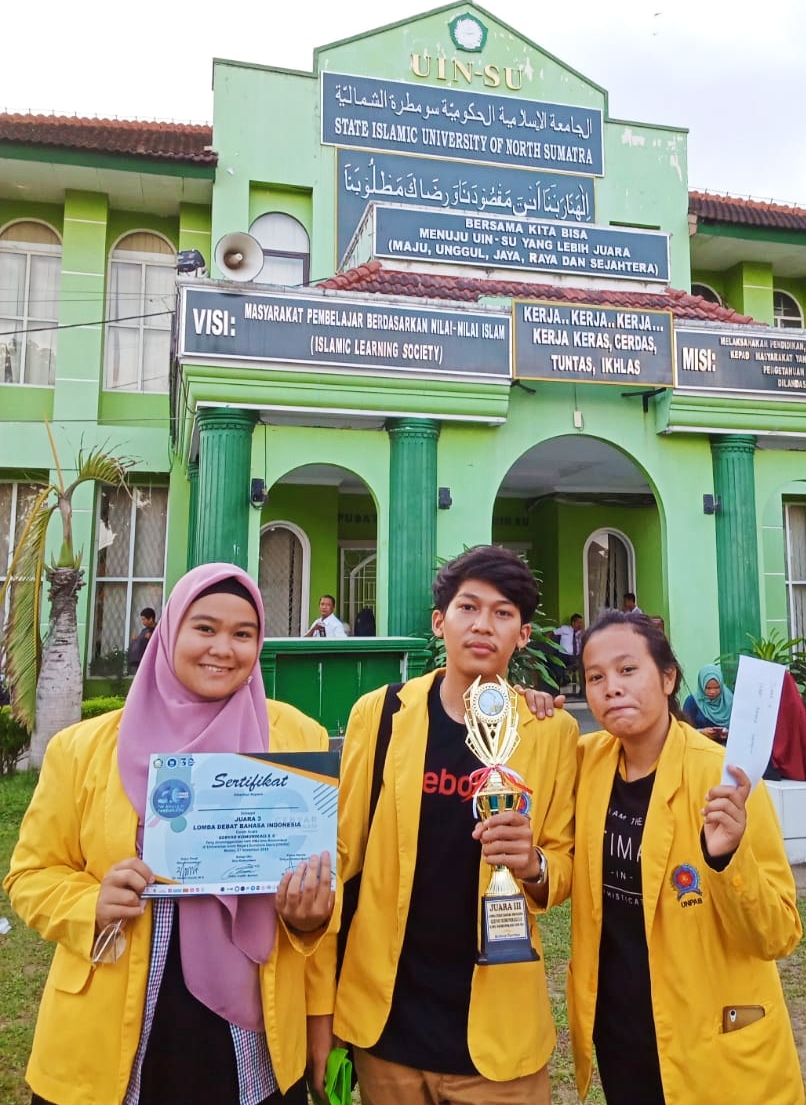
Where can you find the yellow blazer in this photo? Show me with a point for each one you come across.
(510, 1029)
(79, 823)
(707, 950)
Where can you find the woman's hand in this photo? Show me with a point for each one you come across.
(506, 838)
(120, 894)
(304, 897)
(725, 815)
(716, 733)
(320, 1042)
(540, 702)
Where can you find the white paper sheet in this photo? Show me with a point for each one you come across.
(753, 717)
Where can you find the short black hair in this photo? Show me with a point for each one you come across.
(327, 597)
(629, 595)
(657, 642)
(148, 612)
(576, 617)
(499, 567)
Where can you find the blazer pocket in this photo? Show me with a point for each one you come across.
(69, 972)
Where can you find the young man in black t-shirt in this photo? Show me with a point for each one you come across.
(426, 1021)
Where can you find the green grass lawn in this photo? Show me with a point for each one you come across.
(24, 960)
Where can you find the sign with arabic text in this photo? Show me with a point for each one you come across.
(766, 361)
(326, 332)
(395, 116)
(364, 178)
(587, 343)
(532, 245)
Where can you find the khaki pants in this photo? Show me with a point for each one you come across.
(384, 1083)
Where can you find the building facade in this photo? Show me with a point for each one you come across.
(462, 313)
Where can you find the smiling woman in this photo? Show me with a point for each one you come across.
(227, 972)
(681, 878)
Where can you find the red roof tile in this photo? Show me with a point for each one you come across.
(182, 142)
(375, 279)
(746, 212)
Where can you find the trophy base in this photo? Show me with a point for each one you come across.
(505, 931)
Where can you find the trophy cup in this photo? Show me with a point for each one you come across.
(491, 718)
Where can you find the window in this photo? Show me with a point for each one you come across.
(141, 295)
(704, 291)
(283, 578)
(795, 536)
(786, 312)
(286, 249)
(129, 570)
(609, 572)
(30, 269)
(358, 581)
(16, 499)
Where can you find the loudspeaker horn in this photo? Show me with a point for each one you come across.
(239, 256)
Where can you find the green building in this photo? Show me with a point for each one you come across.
(439, 297)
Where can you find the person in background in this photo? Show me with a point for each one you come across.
(568, 637)
(426, 1022)
(327, 624)
(629, 605)
(708, 709)
(209, 1000)
(148, 621)
(683, 898)
(788, 759)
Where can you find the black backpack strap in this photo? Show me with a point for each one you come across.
(352, 888)
(391, 704)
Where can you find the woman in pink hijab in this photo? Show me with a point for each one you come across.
(200, 1001)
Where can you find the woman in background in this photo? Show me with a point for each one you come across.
(708, 709)
(198, 1001)
(682, 898)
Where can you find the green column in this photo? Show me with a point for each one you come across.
(225, 454)
(193, 512)
(736, 541)
(412, 522)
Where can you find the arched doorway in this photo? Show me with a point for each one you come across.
(319, 536)
(283, 578)
(586, 517)
(609, 564)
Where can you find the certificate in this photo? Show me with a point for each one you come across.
(753, 718)
(234, 823)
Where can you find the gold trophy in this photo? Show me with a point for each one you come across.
(491, 717)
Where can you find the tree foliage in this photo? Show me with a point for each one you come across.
(21, 644)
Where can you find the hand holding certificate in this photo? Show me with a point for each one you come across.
(752, 728)
(229, 823)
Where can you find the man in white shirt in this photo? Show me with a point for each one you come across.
(568, 637)
(629, 606)
(327, 624)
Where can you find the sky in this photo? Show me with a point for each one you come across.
(731, 73)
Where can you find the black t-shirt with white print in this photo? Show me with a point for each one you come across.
(624, 1029)
(427, 1023)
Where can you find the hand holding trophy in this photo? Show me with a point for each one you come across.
(491, 718)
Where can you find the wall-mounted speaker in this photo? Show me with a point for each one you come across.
(239, 256)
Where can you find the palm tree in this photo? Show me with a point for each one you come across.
(45, 677)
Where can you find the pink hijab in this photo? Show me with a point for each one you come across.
(222, 938)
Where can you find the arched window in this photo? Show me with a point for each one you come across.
(786, 311)
(705, 291)
(283, 578)
(131, 528)
(30, 268)
(609, 567)
(139, 306)
(286, 249)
